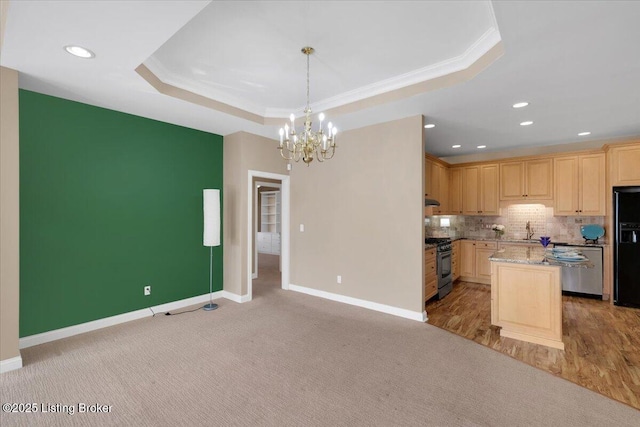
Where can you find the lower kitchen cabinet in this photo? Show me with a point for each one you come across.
(474, 260)
(430, 276)
(467, 259)
(455, 260)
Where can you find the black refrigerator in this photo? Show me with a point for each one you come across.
(626, 249)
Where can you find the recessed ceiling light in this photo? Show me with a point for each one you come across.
(527, 123)
(520, 104)
(584, 133)
(456, 146)
(80, 52)
(429, 126)
(482, 146)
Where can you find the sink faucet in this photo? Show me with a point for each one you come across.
(530, 230)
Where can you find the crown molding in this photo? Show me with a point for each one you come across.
(473, 60)
(192, 85)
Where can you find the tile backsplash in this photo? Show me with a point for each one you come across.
(514, 218)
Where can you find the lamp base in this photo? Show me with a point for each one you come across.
(210, 306)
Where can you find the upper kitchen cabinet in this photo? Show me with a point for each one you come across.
(625, 164)
(455, 191)
(526, 180)
(480, 190)
(428, 178)
(580, 185)
(436, 186)
(431, 187)
(442, 195)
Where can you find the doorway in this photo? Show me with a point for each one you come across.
(268, 232)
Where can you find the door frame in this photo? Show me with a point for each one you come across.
(285, 228)
(256, 224)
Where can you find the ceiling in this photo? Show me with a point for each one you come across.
(576, 63)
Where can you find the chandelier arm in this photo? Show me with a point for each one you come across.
(283, 155)
(333, 151)
(289, 151)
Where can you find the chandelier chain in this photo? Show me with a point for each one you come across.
(308, 103)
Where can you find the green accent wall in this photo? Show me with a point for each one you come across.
(109, 203)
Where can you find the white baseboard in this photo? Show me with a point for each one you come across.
(10, 364)
(235, 297)
(400, 312)
(254, 276)
(57, 334)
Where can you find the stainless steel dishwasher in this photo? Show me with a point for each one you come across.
(586, 281)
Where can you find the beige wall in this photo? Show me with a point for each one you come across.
(9, 215)
(363, 217)
(242, 152)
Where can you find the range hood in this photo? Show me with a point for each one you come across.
(431, 202)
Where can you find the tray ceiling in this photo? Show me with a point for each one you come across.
(575, 62)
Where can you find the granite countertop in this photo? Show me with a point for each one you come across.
(429, 246)
(533, 256)
(564, 242)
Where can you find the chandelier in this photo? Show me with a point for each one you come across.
(308, 143)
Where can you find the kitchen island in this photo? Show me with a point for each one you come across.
(526, 295)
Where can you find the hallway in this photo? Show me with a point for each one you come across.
(269, 277)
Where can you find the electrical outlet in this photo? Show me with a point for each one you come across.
(339, 279)
(147, 290)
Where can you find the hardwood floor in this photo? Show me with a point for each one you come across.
(602, 341)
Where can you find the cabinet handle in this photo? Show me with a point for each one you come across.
(576, 210)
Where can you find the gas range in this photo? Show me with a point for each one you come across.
(443, 243)
(443, 264)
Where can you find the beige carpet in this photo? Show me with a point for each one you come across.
(288, 359)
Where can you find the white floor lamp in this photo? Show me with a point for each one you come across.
(211, 234)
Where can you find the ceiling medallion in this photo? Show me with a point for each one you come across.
(309, 143)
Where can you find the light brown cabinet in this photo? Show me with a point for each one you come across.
(436, 186)
(580, 185)
(526, 302)
(526, 180)
(455, 260)
(430, 276)
(625, 165)
(474, 260)
(480, 190)
(443, 190)
(483, 266)
(428, 178)
(467, 258)
(455, 191)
